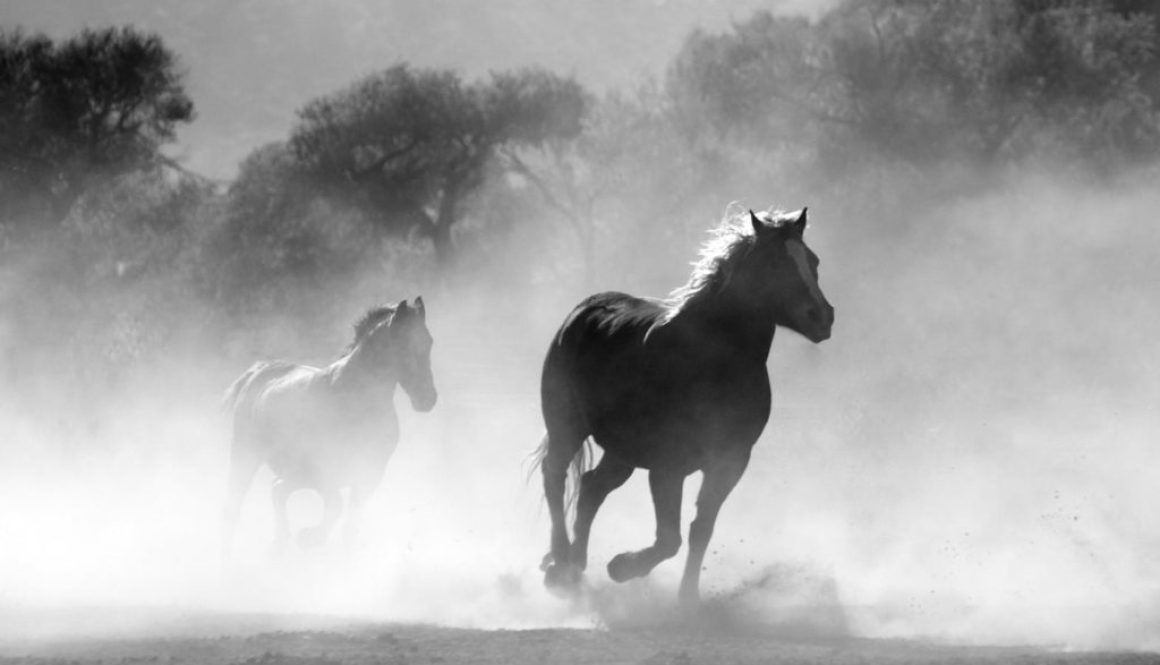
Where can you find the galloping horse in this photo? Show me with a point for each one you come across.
(673, 386)
(328, 428)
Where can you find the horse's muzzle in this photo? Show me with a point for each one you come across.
(425, 402)
(820, 323)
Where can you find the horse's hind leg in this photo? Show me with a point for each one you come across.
(243, 464)
(280, 498)
(316, 536)
(666, 487)
(560, 449)
(595, 485)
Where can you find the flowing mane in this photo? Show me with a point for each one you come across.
(728, 243)
(368, 321)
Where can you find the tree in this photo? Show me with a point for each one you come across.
(923, 82)
(1084, 64)
(276, 235)
(21, 58)
(410, 145)
(98, 105)
(760, 81)
(642, 174)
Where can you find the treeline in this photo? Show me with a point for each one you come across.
(416, 179)
(923, 82)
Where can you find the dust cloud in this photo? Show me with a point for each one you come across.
(969, 459)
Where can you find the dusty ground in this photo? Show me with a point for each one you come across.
(175, 637)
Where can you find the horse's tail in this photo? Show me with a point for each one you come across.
(582, 462)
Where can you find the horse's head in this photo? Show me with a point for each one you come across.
(411, 349)
(787, 271)
(397, 338)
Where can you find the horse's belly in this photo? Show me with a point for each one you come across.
(331, 463)
(328, 453)
(680, 438)
(313, 438)
(652, 453)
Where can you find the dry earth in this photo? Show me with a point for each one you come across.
(174, 637)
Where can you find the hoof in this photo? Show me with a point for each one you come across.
(309, 539)
(562, 577)
(621, 568)
(690, 599)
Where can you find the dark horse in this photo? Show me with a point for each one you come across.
(674, 387)
(328, 428)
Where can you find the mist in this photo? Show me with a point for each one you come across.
(968, 460)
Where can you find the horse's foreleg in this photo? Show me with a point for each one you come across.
(243, 465)
(595, 485)
(666, 488)
(719, 480)
(316, 536)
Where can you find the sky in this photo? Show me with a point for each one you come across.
(252, 63)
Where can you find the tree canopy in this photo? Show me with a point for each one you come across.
(98, 104)
(408, 145)
(882, 107)
(924, 81)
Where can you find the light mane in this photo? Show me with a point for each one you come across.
(369, 322)
(727, 245)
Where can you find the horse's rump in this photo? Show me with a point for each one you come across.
(599, 344)
(619, 372)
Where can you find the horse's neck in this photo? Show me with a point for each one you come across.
(355, 373)
(729, 318)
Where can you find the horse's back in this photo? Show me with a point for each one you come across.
(606, 321)
(242, 392)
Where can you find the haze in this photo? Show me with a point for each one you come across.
(970, 458)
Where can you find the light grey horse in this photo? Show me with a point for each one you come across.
(328, 428)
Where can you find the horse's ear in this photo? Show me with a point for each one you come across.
(403, 312)
(800, 223)
(758, 225)
(419, 307)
